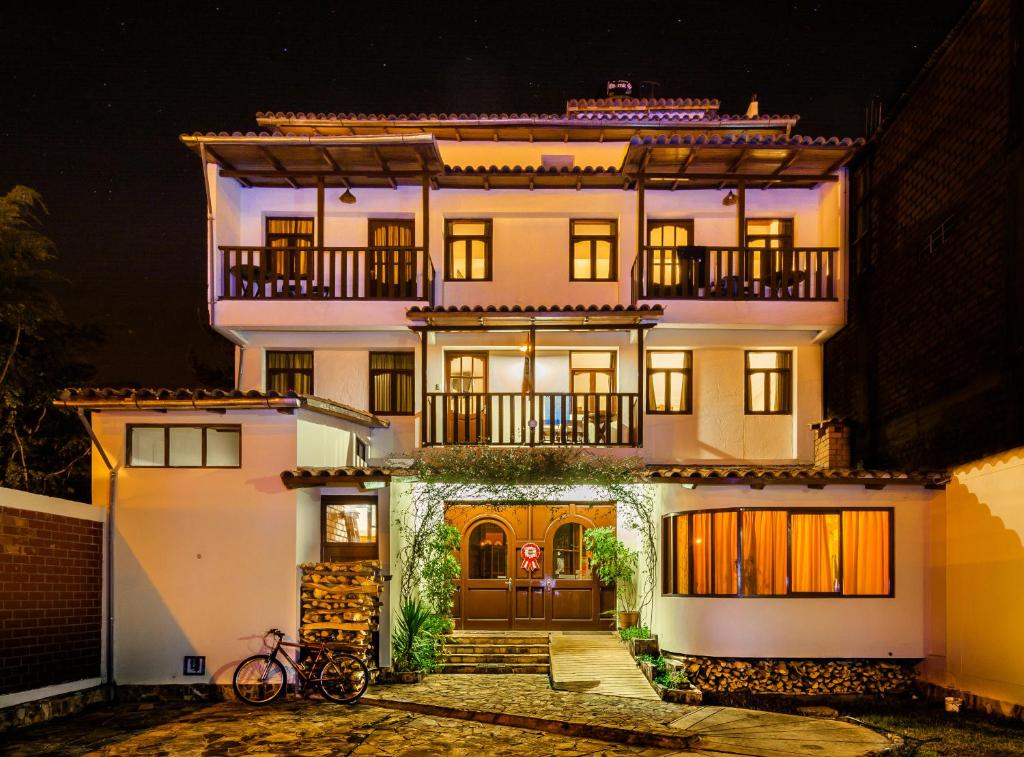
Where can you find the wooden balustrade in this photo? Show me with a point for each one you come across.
(734, 273)
(327, 273)
(544, 418)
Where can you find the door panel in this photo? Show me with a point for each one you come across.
(486, 586)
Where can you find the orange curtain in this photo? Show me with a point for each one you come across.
(764, 552)
(725, 553)
(681, 566)
(866, 552)
(701, 546)
(815, 538)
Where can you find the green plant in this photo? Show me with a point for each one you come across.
(636, 632)
(417, 642)
(649, 658)
(614, 563)
(440, 570)
(677, 679)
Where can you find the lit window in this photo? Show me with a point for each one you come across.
(174, 446)
(768, 383)
(349, 528)
(594, 248)
(392, 383)
(289, 372)
(669, 382)
(468, 250)
(815, 539)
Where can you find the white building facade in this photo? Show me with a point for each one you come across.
(643, 278)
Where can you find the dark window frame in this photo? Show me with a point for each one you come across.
(342, 551)
(786, 374)
(768, 238)
(669, 555)
(410, 371)
(612, 372)
(236, 427)
(687, 372)
(613, 238)
(487, 238)
(310, 372)
(296, 243)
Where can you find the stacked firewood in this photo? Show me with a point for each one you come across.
(341, 603)
(798, 676)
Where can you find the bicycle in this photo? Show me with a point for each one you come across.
(262, 678)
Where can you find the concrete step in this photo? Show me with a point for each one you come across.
(484, 668)
(497, 659)
(496, 649)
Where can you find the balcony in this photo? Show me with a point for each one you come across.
(735, 273)
(540, 419)
(326, 273)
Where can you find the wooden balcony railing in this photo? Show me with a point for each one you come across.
(735, 273)
(510, 418)
(326, 273)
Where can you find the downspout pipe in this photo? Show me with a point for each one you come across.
(112, 470)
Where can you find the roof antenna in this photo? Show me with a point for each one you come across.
(752, 108)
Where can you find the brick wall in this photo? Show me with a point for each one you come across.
(51, 582)
(932, 359)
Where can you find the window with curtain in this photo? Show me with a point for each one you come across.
(778, 553)
(670, 382)
(289, 372)
(290, 240)
(770, 239)
(392, 383)
(391, 264)
(666, 263)
(593, 247)
(467, 250)
(769, 382)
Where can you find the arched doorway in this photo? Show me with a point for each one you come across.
(497, 592)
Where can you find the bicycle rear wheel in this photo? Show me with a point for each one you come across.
(259, 679)
(344, 678)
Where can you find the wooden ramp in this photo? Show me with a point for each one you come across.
(596, 664)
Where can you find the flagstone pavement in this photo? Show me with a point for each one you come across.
(473, 707)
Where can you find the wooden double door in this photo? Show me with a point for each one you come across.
(496, 591)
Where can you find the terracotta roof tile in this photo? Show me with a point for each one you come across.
(795, 474)
(536, 309)
(302, 477)
(754, 140)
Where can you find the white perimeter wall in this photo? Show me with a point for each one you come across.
(976, 608)
(799, 627)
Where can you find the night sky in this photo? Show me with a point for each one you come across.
(94, 99)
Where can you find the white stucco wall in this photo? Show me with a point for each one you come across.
(976, 608)
(804, 627)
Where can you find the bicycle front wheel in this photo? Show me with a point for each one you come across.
(344, 678)
(259, 679)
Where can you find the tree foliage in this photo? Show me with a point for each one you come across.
(42, 450)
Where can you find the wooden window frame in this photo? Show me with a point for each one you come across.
(787, 377)
(302, 261)
(487, 238)
(449, 355)
(411, 371)
(686, 223)
(613, 238)
(311, 371)
(167, 444)
(612, 371)
(348, 551)
(769, 237)
(670, 554)
(687, 372)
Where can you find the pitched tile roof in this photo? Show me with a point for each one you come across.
(307, 477)
(536, 309)
(89, 398)
(808, 475)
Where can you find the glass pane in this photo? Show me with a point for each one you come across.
(669, 359)
(147, 446)
(764, 552)
(468, 228)
(458, 259)
(591, 360)
(815, 544)
(398, 360)
(186, 446)
(677, 391)
(593, 228)
(570, 559)
(478, 260)
(866, 552)
(603, 269)
(602, 382)
(488, 552)
(755, 390)
(682, 555)
(582, 382)
(701, 553)
(725, 553)
(669, 235)
(223, 447)
(765, 359)
(581, 260)
(656, 400)
(774, 392)
(354, 523)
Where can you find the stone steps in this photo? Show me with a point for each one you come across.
(471, 653)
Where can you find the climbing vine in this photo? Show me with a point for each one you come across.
(504, 477)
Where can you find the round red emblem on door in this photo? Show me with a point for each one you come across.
(531, 554)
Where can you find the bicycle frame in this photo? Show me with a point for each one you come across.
(322, 654)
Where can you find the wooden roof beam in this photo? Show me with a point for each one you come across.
(272, 159)
(385, 168)
(736, 163)
(335, 168)
(224, 163)
(685, 166)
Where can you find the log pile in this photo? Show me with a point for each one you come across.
(341, 603)
(798, 676)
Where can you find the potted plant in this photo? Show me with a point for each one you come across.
(615, 563)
